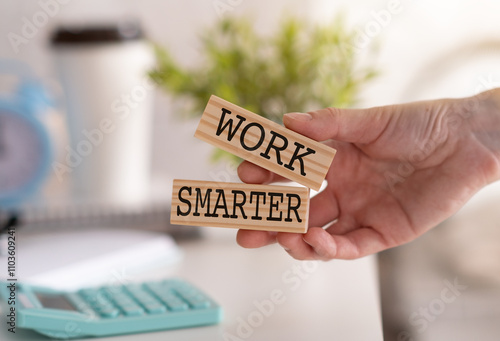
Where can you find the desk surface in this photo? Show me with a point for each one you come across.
(337, 300)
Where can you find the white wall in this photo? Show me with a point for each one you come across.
(429, 48)
(418, 34)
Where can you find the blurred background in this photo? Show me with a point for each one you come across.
(122, 173)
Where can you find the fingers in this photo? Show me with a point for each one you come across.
(252, 174)
(253, 239)
(354, 126)
(318, 244)
(348, 125)
(323, 209)
(359, 243)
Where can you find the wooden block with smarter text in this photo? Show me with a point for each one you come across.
(242, 206)
(265, 143)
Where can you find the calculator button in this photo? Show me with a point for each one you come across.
(196, 301)
(181, 306)
(89, 293)
(124, 300)
(198, 304)
(133, 303)
(112, 291)
(132, 310)
(155, 287)
(134, 287)
(109, 312)
(167, 297)
(155, 308)
(194, 298)
(186, 291)
(174, 303)
(143, 297)
(100, 301)
(99, 308)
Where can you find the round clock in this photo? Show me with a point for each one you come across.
(25, 151)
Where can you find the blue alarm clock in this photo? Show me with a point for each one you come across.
(25, 148)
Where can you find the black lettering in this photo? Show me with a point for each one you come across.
(275, 205)
(293, 208)
(231, 132)
(238, 204)
(244, 132)
(187, 202)
(297, 156)
(203, 202)
(276, 148)
(257, 195)
(217, 205)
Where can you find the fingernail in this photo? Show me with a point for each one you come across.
(284, 248)
(299, 116)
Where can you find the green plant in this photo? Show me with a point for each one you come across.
(301, 67)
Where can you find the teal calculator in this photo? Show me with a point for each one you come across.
(111, 310)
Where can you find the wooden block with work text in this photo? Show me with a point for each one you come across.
(237, 205)
(265, 143)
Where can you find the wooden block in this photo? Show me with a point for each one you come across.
(265, 143)
(242, 206)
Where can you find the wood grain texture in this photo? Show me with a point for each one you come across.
(242, 206)
(265, 143)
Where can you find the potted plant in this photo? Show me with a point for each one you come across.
(301, 67)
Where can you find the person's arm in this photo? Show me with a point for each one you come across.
(399, 171)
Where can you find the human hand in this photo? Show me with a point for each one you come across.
(399, 171)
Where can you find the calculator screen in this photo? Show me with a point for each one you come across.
(54, 301)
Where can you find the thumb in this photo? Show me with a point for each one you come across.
(347, 125)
